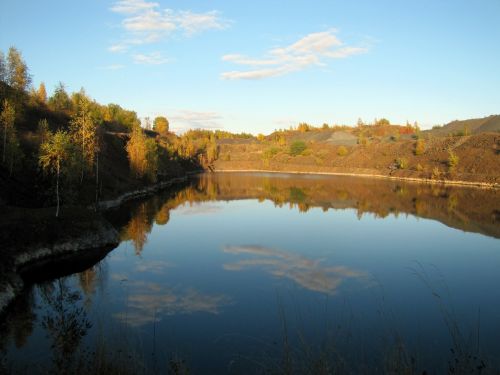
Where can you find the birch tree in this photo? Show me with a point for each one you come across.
(55, 153)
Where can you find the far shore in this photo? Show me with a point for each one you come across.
(477, 184)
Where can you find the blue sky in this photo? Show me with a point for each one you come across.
(261, 65)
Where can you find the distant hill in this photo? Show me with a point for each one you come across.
(472, 126)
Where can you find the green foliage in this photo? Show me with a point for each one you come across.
(60, 101)
(401, 163)
(114, 114)
(271, 152)
(297, 148)
(161, 125)
(55, 157)
(342, 151)
(56, 152)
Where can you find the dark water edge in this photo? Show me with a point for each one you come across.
(339, 350)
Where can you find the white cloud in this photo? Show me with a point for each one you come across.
(192, 23)
(307, 51)
(119, 47)
(183, 120)
(147, 22)
(132, 6)
(153, 58)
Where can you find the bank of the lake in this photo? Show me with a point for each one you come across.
(37, 244)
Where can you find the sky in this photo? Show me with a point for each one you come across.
(255, 66)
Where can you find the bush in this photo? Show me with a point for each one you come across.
(297, 148)
(401, 163)
(419, 147)
(452, 160)
(342, 151)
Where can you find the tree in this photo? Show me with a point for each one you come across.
(17, 70)
(212, 150)
(41, 94)
(419, 146)
(83, 131)
(147, 123)
(7, 118)
(43, 130)
(297, 148)
(3, 68)
(54, 153)
(453, 160)
(142, 154)
(151, 159)
(60, 101)
(161, 125)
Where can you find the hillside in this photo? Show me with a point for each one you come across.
(371, 150)
(466, 127)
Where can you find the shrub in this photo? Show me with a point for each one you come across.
(297, 148)
(419, 147)
(436, 173)
(342, 151)
(303, 127)
(420, 168)
(401, 163)
(452, 160)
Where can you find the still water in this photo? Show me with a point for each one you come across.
(237, 273)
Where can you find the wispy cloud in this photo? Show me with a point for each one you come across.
(313, 49)
(153, 58)
(186, 119)
(146, 22)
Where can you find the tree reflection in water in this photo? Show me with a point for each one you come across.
(65, 323)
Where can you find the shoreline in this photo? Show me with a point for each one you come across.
(475, 184)
(41, 256)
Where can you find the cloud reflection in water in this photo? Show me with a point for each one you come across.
(149, 302)
(308, 273)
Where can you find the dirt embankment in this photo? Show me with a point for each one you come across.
(477, 158)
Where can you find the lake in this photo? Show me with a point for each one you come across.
(244, 273)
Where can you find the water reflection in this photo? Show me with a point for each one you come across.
(65, 323)
(149, 302)
(468, 209)
(212, 282)
(308, 273)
